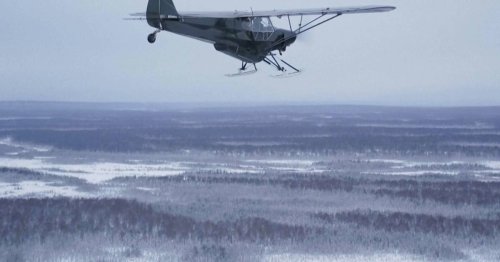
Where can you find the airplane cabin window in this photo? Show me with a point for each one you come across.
(262, 28)
(262, 24)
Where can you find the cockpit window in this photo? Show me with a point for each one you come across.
(262, 28)
(262, 24)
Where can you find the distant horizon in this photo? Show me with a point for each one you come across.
(239, 104)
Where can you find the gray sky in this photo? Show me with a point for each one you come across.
(426, 52)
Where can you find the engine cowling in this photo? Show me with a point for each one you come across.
(284, 40)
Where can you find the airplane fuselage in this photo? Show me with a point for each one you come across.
(236, 37)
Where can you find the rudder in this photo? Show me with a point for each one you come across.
(160, 9)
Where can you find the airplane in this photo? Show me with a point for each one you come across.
(247, 36)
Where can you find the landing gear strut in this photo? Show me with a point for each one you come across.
(244, 70)
(273, 62)
(152, 36)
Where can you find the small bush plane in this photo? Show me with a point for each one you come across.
(247, 36)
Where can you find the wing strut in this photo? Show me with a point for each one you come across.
(300, 30)
(304, 28)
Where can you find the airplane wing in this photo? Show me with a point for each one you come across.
(298, 12)
(281, 13)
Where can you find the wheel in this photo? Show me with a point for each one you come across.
(152, 38)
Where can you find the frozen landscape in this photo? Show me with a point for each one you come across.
(136, 182)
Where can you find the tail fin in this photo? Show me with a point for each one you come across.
(159, 9)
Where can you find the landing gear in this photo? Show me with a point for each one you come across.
(243, 71)
(152, 37)
(282, 69)
(271, 60)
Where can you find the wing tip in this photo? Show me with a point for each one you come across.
(389, 8)
(375, 9)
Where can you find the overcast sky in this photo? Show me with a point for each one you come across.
(426, 52)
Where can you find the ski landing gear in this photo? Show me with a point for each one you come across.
(273, 62)
(243, 71)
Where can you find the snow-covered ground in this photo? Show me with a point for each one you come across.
(39, 189)
(17, 148)
(287, 162)
(100, 171)
(288, 165)
(343, 258)
(96, 169)
(476, 126)
(414, 173)
(492, 164)
(97, 172)
(485, 170)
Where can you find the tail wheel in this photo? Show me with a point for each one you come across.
(152, 38)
